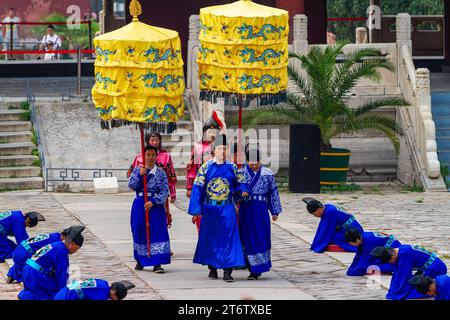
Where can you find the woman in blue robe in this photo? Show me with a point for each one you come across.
(158, 191)
(219, 245)
(92, 289)
(254, 221)
(334, 222)
(406, 259)
(26, 249)
(14, 224)
(439, 288)
(365, 242)
(46, 272)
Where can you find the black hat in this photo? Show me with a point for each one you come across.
(382, 253)
(34, 218)
(312, 204)
(422, 283)
(211, 123)
(221, 140)
(122, 288)
(73, 234)
(252, 153)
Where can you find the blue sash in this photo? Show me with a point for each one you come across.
(429, 262)
(390, 241)
(37, 267)
(27, 247)
(348, 222)
(217, 203)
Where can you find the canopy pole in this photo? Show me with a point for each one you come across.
(147, 222)
(239, 150)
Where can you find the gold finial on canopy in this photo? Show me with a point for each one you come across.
(135, 10)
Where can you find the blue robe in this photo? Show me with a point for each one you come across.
(45, 284)
(158, 191)
(410, 259)
(443, 287)
(364, 260)
(26, 249)
(219, 244)
(89, 289)
(254, 218)
(12, 224)
(332, 228)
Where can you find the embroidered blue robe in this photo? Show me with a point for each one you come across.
(88, 289)
(219, 244)
(26, 249)
(158, 191)
(332, 227)
(410, 259)
(52, 261)
(254, 218)
(364, 260)
(12, 224)
(443, 288)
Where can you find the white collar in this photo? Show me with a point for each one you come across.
(153, 171)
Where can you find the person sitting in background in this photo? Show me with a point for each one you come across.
(50, 55)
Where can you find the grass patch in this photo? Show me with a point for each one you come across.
(13, 107)
(37, 163)
(34, 137)
(445, 172)
(6, 190)
(415, 188)
(343, 187)
(3, 141)
(445, 256)
(35, 152)
(25, 106)
(355, 197)
(419, 200)
(26, 116)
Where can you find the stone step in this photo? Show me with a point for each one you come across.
(13, 126)
(443, 142)
(22, 148)
(442, 121)
(12, 115)
(17, 160)
(18, 136)
(21, 183)
(20, 172)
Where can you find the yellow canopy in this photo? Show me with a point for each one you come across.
(244, 51)
(139, 74)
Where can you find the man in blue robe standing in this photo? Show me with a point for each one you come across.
(439, 288)
(334, 222)
(218, 180)
(14, 224)
(27, 248)
(94, 289)
(254, 214)
(405, 260)
(47, 271)
(365, 242)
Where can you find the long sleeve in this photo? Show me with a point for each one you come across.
(274, 197)
(357, 268)
(19, 229)
(240, 184)
(172, 178)
(399, 288)
(62, 269)
(136, 182)
(198, 192)
(162, 187)
(325, 232)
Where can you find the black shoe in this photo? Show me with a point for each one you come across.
(253, 276)
(10, 280)
(158, 269)
(227, 275)
(213, 274)
(138, 266)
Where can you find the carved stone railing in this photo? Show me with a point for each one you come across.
(418, 144)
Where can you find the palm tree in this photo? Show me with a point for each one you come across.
(324, 87)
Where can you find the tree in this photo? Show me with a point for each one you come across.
(324, 87)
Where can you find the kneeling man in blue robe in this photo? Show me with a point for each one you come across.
(94, 289)
(365, 242)
(439, 288)
(334, 222)
(407, 259)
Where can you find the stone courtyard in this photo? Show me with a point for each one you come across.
(297, 273)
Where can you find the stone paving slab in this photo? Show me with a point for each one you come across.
(94, 259)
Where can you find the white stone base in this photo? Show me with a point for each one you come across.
(106, 185)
